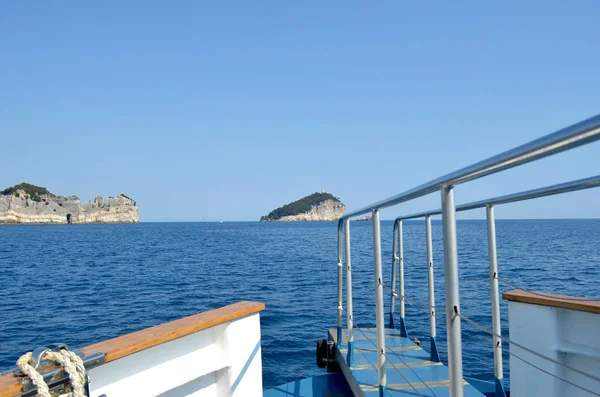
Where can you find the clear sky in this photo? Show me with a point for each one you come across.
(226, 110)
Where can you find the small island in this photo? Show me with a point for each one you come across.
(27, 203)
(315, 207)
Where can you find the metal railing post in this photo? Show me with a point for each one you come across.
(340, 285)
(432, 332)
(403, 332)
(394, 260)
(496, 327)
(350, 319)
(452, 292)
(379, 303)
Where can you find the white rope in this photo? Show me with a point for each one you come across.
(73, 365)
(25, 365)
(70, 362)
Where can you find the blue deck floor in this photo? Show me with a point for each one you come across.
(327, 385)
(409, 370)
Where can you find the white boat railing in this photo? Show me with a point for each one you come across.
(568, 138)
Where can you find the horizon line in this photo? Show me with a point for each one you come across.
(383, 220)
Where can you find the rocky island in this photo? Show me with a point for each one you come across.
(26, 203)
(315, 207)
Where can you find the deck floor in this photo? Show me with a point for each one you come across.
(409, 370)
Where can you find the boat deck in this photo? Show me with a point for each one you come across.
(326, 385)
(409, 370)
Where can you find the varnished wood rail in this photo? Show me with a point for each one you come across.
(553, 300)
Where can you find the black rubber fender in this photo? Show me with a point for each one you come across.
(322, 350)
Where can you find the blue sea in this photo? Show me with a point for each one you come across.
(80, 284)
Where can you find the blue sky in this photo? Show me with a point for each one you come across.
(228, 110)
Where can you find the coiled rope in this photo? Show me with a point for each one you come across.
(70, 362)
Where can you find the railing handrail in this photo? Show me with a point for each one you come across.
(567, 138)
(566, 187)
(570, 137)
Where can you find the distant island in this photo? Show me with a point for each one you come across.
(315, 207)
(27, 203)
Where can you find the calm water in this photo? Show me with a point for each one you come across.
(81, 284)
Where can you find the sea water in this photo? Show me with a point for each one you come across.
(81, 284)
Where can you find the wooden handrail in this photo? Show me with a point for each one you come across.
(137, 341)
(553, 300)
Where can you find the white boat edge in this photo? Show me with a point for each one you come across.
(215, 353)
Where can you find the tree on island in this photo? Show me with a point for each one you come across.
(298, 207)
(34, 192)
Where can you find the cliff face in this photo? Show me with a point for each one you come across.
(20, 208)
(328, 210)
(315, 207)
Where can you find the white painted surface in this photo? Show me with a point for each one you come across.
(568, 336)
(223, 361)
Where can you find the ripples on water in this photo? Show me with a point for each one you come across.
(81, 284)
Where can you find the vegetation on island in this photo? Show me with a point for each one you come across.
(34, 192)
(298, 207)
(127, 197)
